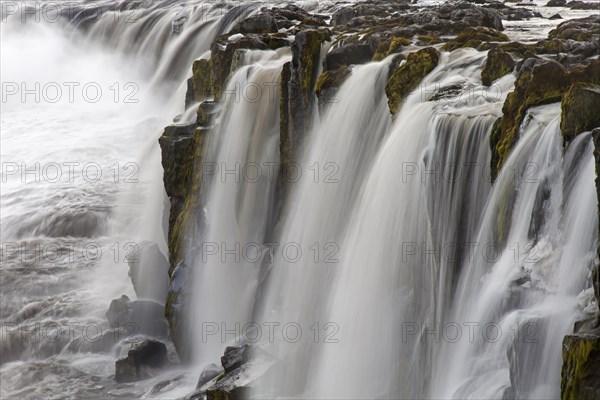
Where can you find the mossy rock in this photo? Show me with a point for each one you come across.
(539, 82)
(580, 110)
(580, 376)
(497, 64)
(581, 29)
(390, 46)
(306, 51)
(407, 77)
(475, 37)
(428, 40)
(222, 57)
(202, 81)
(328, 84)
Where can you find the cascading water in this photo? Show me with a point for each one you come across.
(403, 270)
(239, 201)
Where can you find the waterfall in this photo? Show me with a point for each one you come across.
(239, 198)
(525, 290)
(390, 266)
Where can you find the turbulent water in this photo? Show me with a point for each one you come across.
(402, 270)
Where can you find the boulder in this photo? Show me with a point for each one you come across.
(348, 55)
(583, 5)
(144, 316)
(149, 272)
(556, 3)
(555, 16)
(407, 77)
(142, 361)
(235, 356)
(581, 29)
(580, 110)
(497, 64)
(393, 45)
(208, 374)
(263, 22)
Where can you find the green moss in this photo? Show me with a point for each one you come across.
(428, 40)
(580, 110)
(390, 46)
(407, 77)
(331, 79)
(580, 376)
(497, 64)
(202, 81)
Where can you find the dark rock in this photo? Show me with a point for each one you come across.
(175, 310)
(583, 5)
(409, 75)
(582, 29)
(539, 82)
(328, 85)
(143, 316)
(497, 64)
(474, 37)
(555, 16)
(208, 112)
(393, 45)
(141, 361)
(235, 356)
(259, 23)
(343, 16)
(348, 55)
(580, 376)
(208, 374)
(556, 3)
(149, 272)
(200, 85)
(580, 110)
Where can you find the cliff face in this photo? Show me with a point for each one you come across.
(558, 69)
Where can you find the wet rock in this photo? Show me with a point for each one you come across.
(582, 29)
(328, 84)
(580, 108)
(556, 3)
(409, 75)
(539, 82)
(475, 37)
(222, 55)
(208, 374)
(497, 64)
(142, 361)
(235, 356)
(149, 272)
(555, 16)
(343, 16)
(208, 112)
(393, 45)
(143, 316)
(580, 376)
(583, 5)
(348, 55)
(259, 23)
(200, 85)
(175, 310)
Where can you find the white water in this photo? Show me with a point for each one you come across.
(371, 283)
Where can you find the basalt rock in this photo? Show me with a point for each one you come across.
(475, 37)
(497, 64)
(393, 45)
(580, 110)
(200, 85)
(142, 361)
(580, 377)
(328, 84)
(348, 55)
(409, 75)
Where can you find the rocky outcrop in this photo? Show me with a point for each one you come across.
(328, 85)
(497, 64)
(580, 108)
(142, 316)
(243, 368)
(476, 38)
(409, 75)
(580, 377)
(143, 361)
(538, 82)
